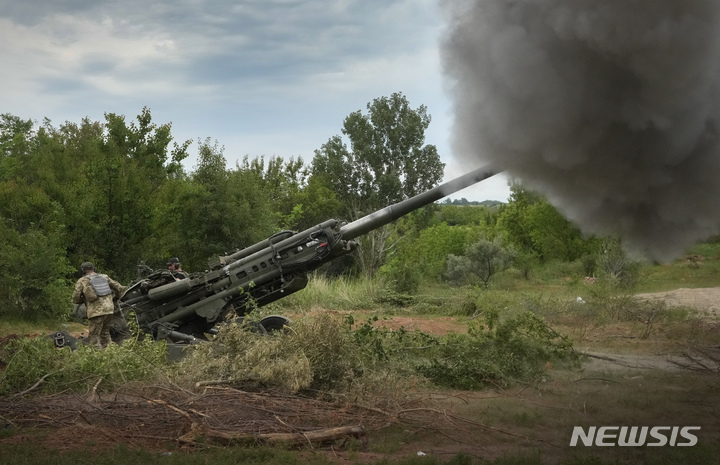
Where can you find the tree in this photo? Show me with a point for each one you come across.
(387, 161)
(536, 228)
(483, 259)
(33, 263)
(216, 211)
(134, 162)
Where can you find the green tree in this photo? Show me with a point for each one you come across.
(217, 211)
(387, 161)
(482, 259)
(16, 135)
(134, 163)
(537, 229)
(318, 201)
(33, 263)
(281, 181)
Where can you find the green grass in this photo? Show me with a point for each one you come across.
(549, 293)
(24, 327)
(339, 293)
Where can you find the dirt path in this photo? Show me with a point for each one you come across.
(705, 300)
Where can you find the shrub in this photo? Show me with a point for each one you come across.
(402, 276)
(314, 353)
(616, 266)
(497, 353)
(483, 259)
(29, 359)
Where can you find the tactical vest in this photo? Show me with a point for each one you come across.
(100, 285)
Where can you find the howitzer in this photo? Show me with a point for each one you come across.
(181, 310)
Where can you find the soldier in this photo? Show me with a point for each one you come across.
(97, 291)
(176, 270)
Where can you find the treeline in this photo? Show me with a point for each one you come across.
(468, 244)
(116, 193)
(463, 201)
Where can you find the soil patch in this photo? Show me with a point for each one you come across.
(162, 418)
(705, 300)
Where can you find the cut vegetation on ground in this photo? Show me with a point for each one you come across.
(465, 375)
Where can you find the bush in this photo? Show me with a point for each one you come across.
(616, 266)
(427, 254)
(33, 270)
(314, 353)
(326, 354)
(29, 359)
(402, 276)
(496, 353)
(483, 259)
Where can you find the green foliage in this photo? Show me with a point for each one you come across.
(535, 227)
(482, 259)
(31, 358)
(616, 266)
(498, 352)
(387, 162)
(403, 276)
(455, 215)
(315, 353)
(338, 293)
(216, 210)
(426, 255)
(33, 270)
(322, 352)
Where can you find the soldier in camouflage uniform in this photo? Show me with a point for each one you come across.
(97, 291)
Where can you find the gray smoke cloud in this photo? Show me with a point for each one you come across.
(608, 107)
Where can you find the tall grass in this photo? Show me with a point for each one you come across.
(34, 361)
(335, 293)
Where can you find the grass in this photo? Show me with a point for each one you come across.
(23, 327)
(341, 294)
(609, 319)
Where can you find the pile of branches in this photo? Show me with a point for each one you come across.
(155, 417)
(158, 418)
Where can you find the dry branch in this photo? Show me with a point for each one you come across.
(293, 439)
(39, 382)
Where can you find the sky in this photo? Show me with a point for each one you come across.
(260, 77)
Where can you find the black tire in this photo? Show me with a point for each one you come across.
(274, 323)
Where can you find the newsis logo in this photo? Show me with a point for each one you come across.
(635, 436)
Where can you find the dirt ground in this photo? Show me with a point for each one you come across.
(612, 387)
(704, 300)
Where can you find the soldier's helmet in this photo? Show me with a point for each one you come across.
(172, 261)
(87, 266)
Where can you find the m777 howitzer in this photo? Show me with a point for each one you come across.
(181, 310)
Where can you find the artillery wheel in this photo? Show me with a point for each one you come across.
(274, 323)
(254, 326)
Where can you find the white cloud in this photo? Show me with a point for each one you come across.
(261, 77)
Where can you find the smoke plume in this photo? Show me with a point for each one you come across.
(608, 107)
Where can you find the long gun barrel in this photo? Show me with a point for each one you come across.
(262, 273)
(393, 212)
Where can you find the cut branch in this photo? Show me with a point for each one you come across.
(315, 436)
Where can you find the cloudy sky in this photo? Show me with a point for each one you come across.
(262, 77)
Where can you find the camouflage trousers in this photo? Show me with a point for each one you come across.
(99, 331)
